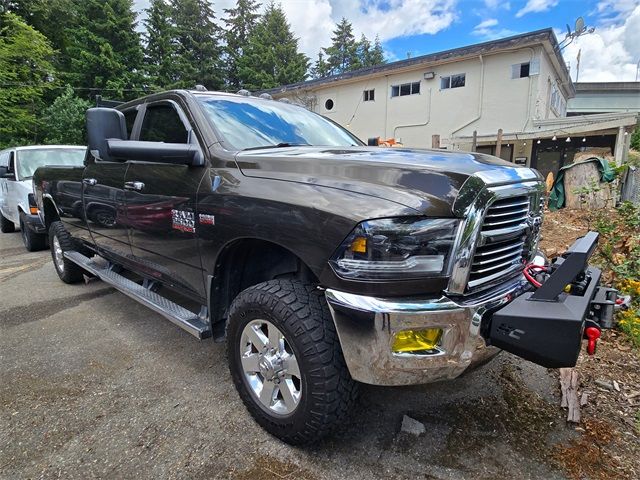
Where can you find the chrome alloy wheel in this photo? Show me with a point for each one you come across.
(58, 256)
(270, 367)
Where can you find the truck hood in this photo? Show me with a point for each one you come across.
(425, 180)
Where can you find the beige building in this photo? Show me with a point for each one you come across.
(519, 84)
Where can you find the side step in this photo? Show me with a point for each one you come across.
(185, 319)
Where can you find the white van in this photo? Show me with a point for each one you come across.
(17, 203)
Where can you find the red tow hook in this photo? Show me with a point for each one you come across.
(592, 334)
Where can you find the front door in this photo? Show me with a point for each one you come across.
(104, 207)
(161, 205)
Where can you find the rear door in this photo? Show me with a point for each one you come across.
(161, 204)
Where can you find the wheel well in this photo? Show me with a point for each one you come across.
(248, 262)
(50, 213)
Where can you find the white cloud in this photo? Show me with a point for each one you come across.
(495, 4)
(610, 54)
(490, 22)
(487, 31)
(536, 6)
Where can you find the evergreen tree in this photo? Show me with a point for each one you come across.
(271, 57)
(49, 17)
(376, 56)
(369, 55)
(240, 23)
(25, 74)
(104, 48)
(320, 68)
(63, 122)
(159, 57)
(343, 52)
(197, 48)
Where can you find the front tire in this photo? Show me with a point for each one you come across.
(32, 241)
(6, 225)
(61, 241)
(286, 361)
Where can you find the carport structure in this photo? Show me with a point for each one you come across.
(552, 143)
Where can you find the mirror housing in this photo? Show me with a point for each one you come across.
(5, 173)
(159, 152)
(104, 124)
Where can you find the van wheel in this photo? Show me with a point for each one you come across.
(286, 361)
(6, 225)
(32, 241)
(61, 242)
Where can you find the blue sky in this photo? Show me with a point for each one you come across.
(424, 26)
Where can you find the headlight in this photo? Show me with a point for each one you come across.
(397, 248)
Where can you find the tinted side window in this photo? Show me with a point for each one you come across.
(4, 157)
(162, 124)
(130, 118)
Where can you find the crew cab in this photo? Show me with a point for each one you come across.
(17, 203)
(321, 262)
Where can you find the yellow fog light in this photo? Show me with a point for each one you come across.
(416, 340)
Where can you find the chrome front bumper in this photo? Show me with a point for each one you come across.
(366, 327)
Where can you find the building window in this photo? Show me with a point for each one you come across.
(328, 104)
(405, 89)
(369, 95)
(453, 81)
(558, 103)
(520, 70)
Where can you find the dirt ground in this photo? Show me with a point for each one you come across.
(94, 385)
(610, 430)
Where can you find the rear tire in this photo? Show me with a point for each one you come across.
(309, 391)
(6, 225)
(32, 241)
(61, 241)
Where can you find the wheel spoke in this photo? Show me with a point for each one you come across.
(267, 393)
(275, 338)
(286, 389)
(250, 363)
(292, 366)
(256, 337)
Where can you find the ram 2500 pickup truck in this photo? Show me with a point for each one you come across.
(323, 262)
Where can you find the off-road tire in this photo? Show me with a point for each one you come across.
(70, 272)
(32, 241)
(6, 225)
(301, 313)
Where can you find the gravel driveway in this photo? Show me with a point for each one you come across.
(94, 385)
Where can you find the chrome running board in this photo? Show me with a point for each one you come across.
(185, 319)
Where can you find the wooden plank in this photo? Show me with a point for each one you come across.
(435, 141)
(499, 143)
(570, 399)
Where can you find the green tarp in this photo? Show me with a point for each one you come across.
(557, 197)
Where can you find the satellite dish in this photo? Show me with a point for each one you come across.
(579, 25)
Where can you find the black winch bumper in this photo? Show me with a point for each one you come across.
(547, 325)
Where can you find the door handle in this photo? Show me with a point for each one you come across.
(137, 186)
(90, 181)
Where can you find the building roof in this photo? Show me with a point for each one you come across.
(604, 87)
(524, 39)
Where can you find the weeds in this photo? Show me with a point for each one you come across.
(619, 252)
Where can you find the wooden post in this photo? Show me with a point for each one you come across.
(435, 141)
(474, 144)
(499, 143)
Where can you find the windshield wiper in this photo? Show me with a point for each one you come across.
(279, 145)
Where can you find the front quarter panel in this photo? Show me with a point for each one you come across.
(309, 220)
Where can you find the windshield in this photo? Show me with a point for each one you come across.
(29, 160)
(254, 123)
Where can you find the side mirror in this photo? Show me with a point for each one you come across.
(159, 152)
(104, 124)
(5, 173)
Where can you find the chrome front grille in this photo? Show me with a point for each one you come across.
(501, 247)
